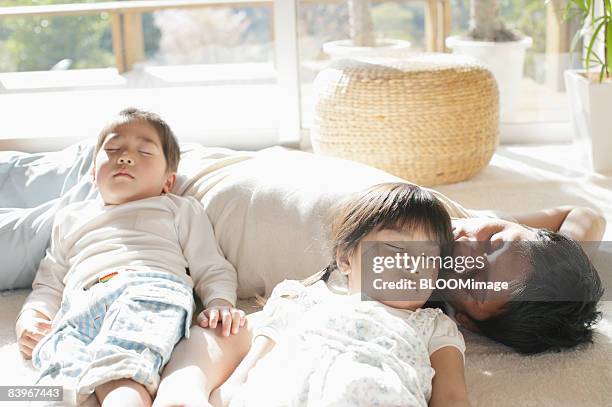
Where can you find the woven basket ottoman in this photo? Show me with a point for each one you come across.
(430, 119)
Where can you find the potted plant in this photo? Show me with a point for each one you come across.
(500, 49)
(363, 43)
(590, 91)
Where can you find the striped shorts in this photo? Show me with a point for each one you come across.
(124, 328)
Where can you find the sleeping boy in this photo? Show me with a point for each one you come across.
(118, 278)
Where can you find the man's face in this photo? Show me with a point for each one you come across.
(502, 264)
(131, 165)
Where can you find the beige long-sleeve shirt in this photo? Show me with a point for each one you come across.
(164, 233)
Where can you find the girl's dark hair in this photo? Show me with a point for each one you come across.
(556, 306)
(394, 205)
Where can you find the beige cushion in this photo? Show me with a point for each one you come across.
(271, 213)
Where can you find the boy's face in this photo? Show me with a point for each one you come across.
(131, 165)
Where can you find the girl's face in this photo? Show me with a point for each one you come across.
(393, 243)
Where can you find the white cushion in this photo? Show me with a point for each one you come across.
(271, 213)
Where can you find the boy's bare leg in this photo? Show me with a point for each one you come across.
(200, 364)
(123, 392)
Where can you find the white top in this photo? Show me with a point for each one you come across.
(165, 233)
(336, 350)
(290, 300)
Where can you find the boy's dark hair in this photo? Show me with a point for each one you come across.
(556, 306)
(385, 206)
(170, 146)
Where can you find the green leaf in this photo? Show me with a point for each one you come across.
(608, 49)
(583, 8)
(592, 44)
(602, 73)
(569, 13)
(598, 19)
(599, 60)
(579, 34)
(574, 8)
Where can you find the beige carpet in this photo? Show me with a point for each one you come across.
(522, 179)
(519, 179)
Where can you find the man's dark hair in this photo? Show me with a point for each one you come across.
(556, 306)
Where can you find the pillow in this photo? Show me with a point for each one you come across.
(33, 187)
(271, 213)
(28, 180)
(25, 234)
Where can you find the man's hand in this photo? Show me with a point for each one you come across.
(30, 328)
(232, 319)
(477, 229)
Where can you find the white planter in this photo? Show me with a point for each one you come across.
(389, 48)
(590, 103)
(504, 59)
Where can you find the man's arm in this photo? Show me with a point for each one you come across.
(578, 223)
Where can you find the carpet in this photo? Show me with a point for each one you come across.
(519, 179)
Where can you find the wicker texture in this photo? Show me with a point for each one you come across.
(430, 119)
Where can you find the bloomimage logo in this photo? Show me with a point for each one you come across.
(539, 270)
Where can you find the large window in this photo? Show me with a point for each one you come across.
(541, 112)
(323, 21)
(234, 73)
(206, 66)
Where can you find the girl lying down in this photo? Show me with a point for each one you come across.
(317, 345)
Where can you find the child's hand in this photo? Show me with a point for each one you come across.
(30, 328)
(231, 318)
